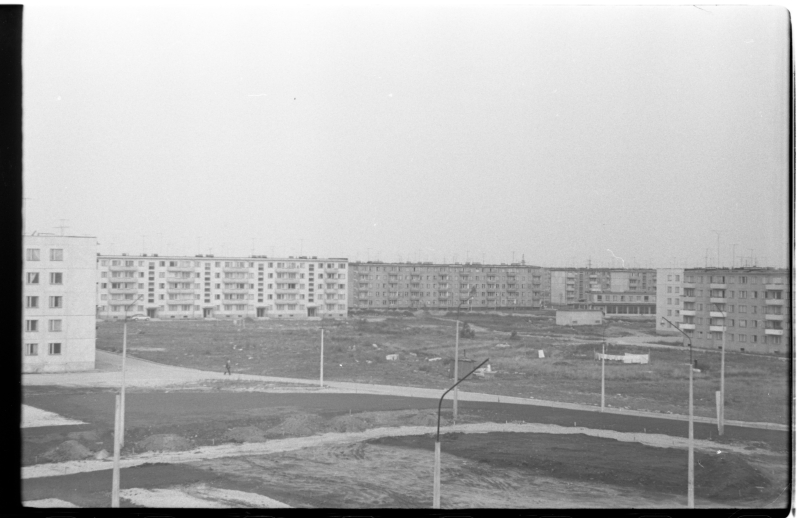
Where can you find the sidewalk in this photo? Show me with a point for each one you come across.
(144, 373)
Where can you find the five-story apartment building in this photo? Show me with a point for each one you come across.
(220, 287)
(58, 303)
(377, 285)
(748, 308)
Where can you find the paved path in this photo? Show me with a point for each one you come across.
(143, 373)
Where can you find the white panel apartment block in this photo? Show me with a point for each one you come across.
(184, 287)
(59, 303)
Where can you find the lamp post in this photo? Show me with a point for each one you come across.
(124, 354)
(472, 293)
(603, 369)
(721, 420)
(437, 450)
(691, 415)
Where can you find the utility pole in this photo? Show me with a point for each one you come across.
(733, 255)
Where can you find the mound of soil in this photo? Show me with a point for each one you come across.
(423, 419)
(299, 425)
(728, 476)
(245, 434)
(68, 450)
(348, 423)
(163, 442)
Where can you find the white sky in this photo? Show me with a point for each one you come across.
(560, 133)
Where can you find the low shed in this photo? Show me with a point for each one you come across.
(579, 317)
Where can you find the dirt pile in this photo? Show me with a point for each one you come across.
(348, 423)
(728, 476)
(68, 450)
(427, 418)
(163, 442)
(299, 425)
(245, 434)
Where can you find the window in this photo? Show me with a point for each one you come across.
(56, 254)
(57, 302)
(32, 278)
(104, 274)
(669, 289)
(743, 294)
(31, 302)
(55, 326)
(677, 278)
(743, 323)
(55, 348)
(31, 326)
(742, 309)
(103, 285)
(32, 254)
(31, 349)
(56, 278)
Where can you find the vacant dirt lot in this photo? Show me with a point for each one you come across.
(356, 350)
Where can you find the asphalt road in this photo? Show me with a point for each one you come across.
(162, 408)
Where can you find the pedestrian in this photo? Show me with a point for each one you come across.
(228, 366)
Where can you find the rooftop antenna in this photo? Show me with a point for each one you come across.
(62, 226)
(253, 247)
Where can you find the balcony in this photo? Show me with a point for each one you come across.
(237, 269)
(717, 300)
(277, 290)
(715, 286)
(774, 317)
(686, 326)
(775, 287)
(239, 290)
(180, 290)
(688, 312)
(122, 268)
(774, 302)
(180, 269)
(180, 279)
(774, 332)
(718, 329)
(718, 314)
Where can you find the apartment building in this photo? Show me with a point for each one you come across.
(747, 307)
(571, 286)
(625, 303)
(378, 285)
(181, 287)
(669, 289)
(58, 303)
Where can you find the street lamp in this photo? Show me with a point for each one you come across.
(124, 354)
(603, 368)
(721, 419)
(472, 293)
(691, 415)
(437, 450)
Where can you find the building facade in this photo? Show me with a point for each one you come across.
(748, 308)
(377, 285)
(58, 303)
(220, 287)
(615, 291)
(579, 317)
(669, 289)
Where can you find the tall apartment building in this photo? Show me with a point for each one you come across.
(751, 306)
(58, 303)
(377, 285)
(220, 287)
(669, 289)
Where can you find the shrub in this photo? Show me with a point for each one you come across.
(467, 331)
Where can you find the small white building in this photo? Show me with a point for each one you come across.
(579, 317)
(59, 303)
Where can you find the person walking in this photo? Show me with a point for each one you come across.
(228, 366)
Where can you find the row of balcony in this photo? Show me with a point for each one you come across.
(721, 329)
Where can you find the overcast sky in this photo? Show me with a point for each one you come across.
(481, 134)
